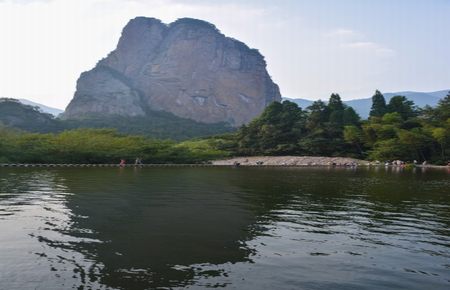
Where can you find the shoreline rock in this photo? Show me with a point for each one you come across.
(301, 161)
(291, 161)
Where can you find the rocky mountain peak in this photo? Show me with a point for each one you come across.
(188, 68)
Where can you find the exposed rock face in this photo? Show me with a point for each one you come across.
(187, 68)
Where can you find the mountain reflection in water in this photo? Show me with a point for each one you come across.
(253, 228)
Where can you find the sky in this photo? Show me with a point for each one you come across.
(312, 47)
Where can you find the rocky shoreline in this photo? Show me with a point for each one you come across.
(308, 161)
(291, 161)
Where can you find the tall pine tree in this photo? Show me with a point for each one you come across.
(336, 109)
(378, 105)
(403, 106)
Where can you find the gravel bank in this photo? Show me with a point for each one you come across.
(291, 161)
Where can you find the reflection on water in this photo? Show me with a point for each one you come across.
(252, 228)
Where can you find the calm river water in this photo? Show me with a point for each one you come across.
(238, 228)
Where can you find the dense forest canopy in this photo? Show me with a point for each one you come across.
(395, 130)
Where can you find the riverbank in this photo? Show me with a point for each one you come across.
(291, 161)
(269, 161)
(306, 161)
(244, 161)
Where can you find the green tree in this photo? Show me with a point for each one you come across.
(350, 117)
(388, 149)
(403, 106)
(318, 114)
(442, 136)
(392, 118)
(336, 110)
(324, 125)
(442, 111)
(353, 135)
(275, 132)
(414, 141)
(335, 103)
(378, 108)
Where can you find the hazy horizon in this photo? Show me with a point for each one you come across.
(312, 48)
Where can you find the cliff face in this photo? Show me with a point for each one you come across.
(187, 68)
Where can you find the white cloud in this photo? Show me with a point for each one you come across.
(353, 40)
(360, 44)
(342, 32)
(370, 47)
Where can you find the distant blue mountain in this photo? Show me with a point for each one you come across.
(362, 106)
(302, 103)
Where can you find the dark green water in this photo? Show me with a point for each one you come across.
(242, 228)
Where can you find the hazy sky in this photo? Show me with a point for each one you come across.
(312, 47)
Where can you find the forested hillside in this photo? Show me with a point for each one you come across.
(161, 125)
(29, 118)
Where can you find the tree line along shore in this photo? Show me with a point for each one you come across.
(397, 130)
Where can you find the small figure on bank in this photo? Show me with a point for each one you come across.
(424, 163)
(138, 161)
(122, 163)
